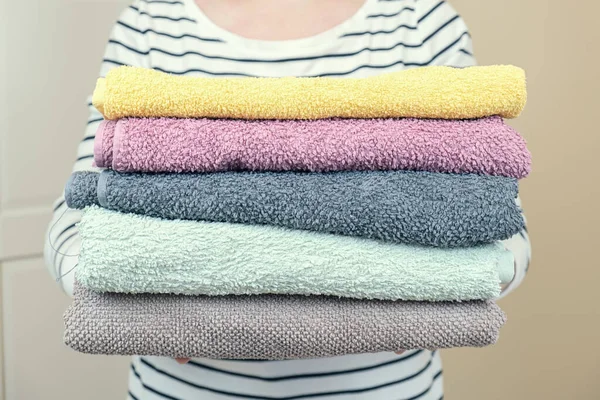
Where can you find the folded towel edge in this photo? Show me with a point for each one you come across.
(98, 95)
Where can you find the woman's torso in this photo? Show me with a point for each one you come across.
(175, 36)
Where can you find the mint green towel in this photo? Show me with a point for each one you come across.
(139, 254)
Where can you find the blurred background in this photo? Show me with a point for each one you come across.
(50, 52)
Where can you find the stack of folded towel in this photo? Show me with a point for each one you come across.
(280, 218)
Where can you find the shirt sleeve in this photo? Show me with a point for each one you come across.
(452, 46)
(62, 244)
(520, 246)
(446, 34)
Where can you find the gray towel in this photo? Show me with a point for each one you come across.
(270, 326)
(431, 209)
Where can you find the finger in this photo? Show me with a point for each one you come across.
(182, 360)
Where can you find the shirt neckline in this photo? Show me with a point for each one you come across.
(322, 39)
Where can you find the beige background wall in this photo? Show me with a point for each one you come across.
(548, 350)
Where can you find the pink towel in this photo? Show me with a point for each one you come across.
(481, 146)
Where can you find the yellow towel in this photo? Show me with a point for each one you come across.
(429, 92)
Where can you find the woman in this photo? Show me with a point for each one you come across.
(350, 38)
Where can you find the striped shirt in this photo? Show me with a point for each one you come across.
(174, 36)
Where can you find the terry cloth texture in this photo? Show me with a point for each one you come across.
(137, 254)
(431, 209)
(481, 146)
(429, 92)
(271, 326)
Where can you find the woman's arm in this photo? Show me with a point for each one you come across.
(455, 48)
(63, 243)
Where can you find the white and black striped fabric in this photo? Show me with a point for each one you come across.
(413, 375)
(174, 36)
